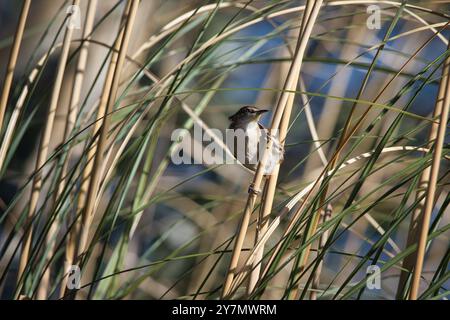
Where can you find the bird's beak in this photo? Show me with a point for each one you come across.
(262, 111)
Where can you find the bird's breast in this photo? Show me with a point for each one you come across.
(253, 135)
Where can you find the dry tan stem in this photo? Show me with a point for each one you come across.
(78, 236)
(432, 182)
(290, 84)
(271, 182)
(93, 150)
(19, 105)
(408, 262)
(69, 125)
(13, 60)
(118, 62)
(44, 146)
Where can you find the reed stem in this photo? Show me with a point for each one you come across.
(271, 182)
(13, 56)
(289, 86)
(43, 149)
(109, 92)
(438, 143)
(72, 113)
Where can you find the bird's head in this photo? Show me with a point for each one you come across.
(247, 114)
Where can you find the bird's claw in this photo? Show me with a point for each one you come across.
(277, 145)
(252, 190)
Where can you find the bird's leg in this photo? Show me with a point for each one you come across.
(281, 150)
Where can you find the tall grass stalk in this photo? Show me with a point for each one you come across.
(424, 226)
(44, 147)
(13, 56)
(106, 106)
(413, 234)
(74, 106)
(271, 183)
(286, 97)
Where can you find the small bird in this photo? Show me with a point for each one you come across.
(256, 137)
